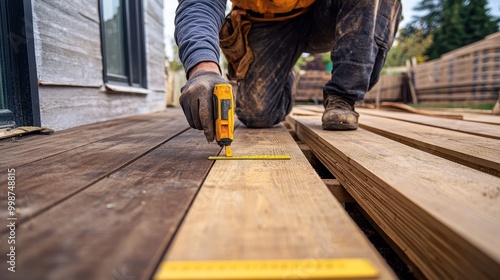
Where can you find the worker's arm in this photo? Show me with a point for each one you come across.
(197, 26)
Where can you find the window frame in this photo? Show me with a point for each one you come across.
(21, 84)
(135, 47)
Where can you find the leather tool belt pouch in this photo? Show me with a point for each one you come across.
(234, 43)
(234, 37)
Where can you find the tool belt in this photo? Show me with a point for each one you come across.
(258, 17)
(233, 37)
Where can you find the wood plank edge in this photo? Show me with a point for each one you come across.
(468, 160)
(28, 217)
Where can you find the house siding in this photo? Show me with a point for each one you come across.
(70, 68)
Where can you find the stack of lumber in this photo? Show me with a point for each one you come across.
(441, 213)
(469, 73)
(310, 85)
(389, 88)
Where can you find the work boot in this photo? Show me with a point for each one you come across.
(339, 114)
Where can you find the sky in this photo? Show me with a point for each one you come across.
(408, 13)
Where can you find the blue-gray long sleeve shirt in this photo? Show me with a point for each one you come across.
(197, 26)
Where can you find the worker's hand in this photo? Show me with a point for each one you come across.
(197, 101)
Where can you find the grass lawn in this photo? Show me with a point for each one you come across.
(478, 106)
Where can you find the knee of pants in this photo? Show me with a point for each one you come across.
(255, 118)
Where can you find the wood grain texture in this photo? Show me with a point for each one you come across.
(46, 182)
(410, 109)
(480, 129)
(120, 226)
(268, 210)
(471, 150)
(65, 107)
(155, 45)
(470, 115)
(29, 149)
(482, 118)
(443, 215)
(67, 42)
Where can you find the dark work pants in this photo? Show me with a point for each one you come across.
(359, 33)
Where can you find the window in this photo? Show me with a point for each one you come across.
(122, 40)
(18, 84)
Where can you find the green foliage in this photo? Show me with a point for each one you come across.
(477, 106)
(313, 62)
(479, 22)
(408, 46)
(450, 33)
(429, 21)
(450, 24)
(175, 62)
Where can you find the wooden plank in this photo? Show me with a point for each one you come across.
(46, 182)
(410, 109)
(435, 210)
(67, 41)
(268, 210)
(58, 103)
(480, 129)
(29, 149)
(471, 150)
(482, 118)
(120, 226)
(155, 46)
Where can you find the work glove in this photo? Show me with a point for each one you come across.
(197, 101)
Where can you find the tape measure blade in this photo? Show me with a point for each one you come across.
(254, 157)
(267, 270)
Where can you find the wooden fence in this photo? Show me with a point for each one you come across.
(310, 85)
(173, 83)
(470, 74)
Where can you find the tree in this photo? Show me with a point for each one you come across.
(408, 46)
(450, 34)
(452, 24)
(429, 21)
(175, 62)
(478, 22)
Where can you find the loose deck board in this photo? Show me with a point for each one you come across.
(480, 129)
(482, 118)
(475, 151)
(121, 225)
(443, 215)
(44, 183)
(258, 210)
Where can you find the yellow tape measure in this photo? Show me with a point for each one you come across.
(266, 270)
(256, 157)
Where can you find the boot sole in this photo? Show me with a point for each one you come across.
(339, 126)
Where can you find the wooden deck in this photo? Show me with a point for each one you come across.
(429, 184)
(113, 200)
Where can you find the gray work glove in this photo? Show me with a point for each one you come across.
(197, 101)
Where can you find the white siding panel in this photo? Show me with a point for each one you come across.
(68, 43)
(155, 46)
(64, 107)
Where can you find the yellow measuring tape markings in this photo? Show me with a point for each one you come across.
(256, 157)
(266, 270)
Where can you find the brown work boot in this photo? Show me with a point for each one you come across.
(339, 114)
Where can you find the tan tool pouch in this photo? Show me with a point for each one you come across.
(234, 38)
(234, 43)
